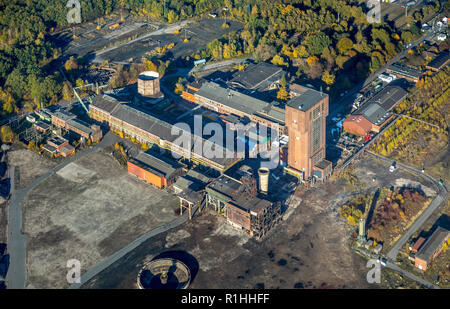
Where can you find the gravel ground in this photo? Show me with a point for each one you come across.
(87, 211)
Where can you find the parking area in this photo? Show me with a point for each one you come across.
(199, 33)
(86, 211)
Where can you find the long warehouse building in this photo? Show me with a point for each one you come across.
(145, 128)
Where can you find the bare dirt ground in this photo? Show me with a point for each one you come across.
(199, 32)
(309, 249)
(31, 165)
(87, 211)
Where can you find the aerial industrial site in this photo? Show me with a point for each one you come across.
(225, 145)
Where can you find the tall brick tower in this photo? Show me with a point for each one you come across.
(306, 122)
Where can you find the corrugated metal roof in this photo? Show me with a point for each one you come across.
(433, 243)
(143, 120)
(165, 167)
(255, 75)
(389, 97)
(402, 69)
(374, 113)
(239, 101)
(440, 60)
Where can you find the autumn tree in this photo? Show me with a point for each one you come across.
(328, 78)
(344, 44)
(278, 60)
(7, 134)
(282, 92)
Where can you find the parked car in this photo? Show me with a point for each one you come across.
(383, 261)
(392, 167)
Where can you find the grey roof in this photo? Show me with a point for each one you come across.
(404, 70)
(255, 75)
(323, 164)
(433, 243)
(57, 140)
(184, 183)
(105, 102)
(42, 125)
(80, 125)
(141, 119)
(197, 177)
(307, 99)
(49, 148)
(158, 165)
(190, 195)
(226, 186)
(389, 97)
(251, 203)
(374, 113)
(234, 191)
(67, 148)
(238, 101)
(63, 115)
(440, 60)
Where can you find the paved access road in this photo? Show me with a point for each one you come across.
(17, 273)
(342, 103)
(410, 275)
(441, 197)
(93, 271)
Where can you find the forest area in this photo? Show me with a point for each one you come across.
(325, 41)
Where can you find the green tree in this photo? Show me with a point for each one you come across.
(67, 91)
(7, 134)
(317, 42)
(344, 44)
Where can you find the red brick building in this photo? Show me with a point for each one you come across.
(159, 172)
(305, 120)
(357, 125)
(431, 248)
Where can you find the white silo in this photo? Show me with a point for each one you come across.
(263, 174)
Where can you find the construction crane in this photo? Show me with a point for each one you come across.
(80, 100)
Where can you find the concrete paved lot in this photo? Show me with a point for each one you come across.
(87, 211)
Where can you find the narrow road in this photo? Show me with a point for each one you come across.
(411, 276)
(342, 103)
(438, 200)
(17, 273)
(216, 65)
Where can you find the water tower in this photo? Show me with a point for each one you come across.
(148, 84)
